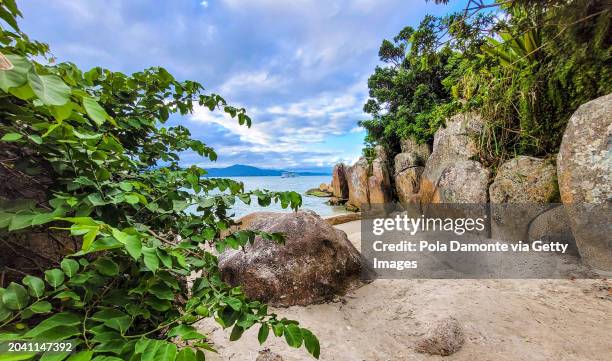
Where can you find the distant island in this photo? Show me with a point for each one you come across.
(239, 170)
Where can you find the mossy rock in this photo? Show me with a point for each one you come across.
(317, 193)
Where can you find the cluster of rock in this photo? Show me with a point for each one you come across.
(318, 262)
(450, 172)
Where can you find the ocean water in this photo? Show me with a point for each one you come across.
(297, 184)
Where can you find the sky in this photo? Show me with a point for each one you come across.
(299, 67)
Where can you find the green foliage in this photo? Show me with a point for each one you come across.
(526, 66)
(141, 220)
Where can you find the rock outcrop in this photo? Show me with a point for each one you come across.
(357, 178)
(379, 182)
(463, 182)
(524, 180)
(339, 184)
(454, 147)
(369, 183)
(520, 192)
(407, 184)
(584, 169)
(404, 161)
(410, 145)
(315, 263)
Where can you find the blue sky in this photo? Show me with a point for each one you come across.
(299, 67)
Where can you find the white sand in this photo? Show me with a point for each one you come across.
(502, 319)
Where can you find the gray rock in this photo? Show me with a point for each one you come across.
(339, 184)
(410, 145)
(316, 262)
(526, 184)
(584, 168)
(357, 179)
(403, 161)
(553, 226)
(524, 180)
(457, 142)
(407, 184)
(463, 182)
(444, 338)
(379, 183)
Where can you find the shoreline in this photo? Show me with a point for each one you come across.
(503, 320)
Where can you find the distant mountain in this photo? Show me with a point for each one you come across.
(239, 170)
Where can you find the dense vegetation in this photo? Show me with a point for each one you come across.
(524, 65)
(87, 165)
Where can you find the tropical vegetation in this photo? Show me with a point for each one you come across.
(91, 172)
(525, 66)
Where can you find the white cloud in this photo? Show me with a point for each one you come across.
(204, 3)
(250, 82)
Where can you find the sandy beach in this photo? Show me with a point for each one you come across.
(510, 320)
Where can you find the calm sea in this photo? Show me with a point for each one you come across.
(298, 184)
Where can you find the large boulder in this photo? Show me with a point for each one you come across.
(521, 190)
(339, 184)
(403, 161)
(454, 143)
(525, 180)
(379, 182)
(407, 184)
(553, 225)
(357, 179)
(316, 262)
(584, 169)
(463, 182)
(410, 145)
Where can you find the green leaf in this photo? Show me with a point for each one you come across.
(11, 137)
(50, 89)
(89, 237)
(94, 110)
(4, 312)
(53, 356)
(41, 307)
(35, 285)
(186, 332)
(17, 76)
(150, 258)
(58, 320)
(278, 329)
(81, 356)
(70, 267)
(55, 277)
(61, 112)
(237, 332)
(311, 342)
(67, 295)
(263, 333)
(120, 324)
(161, 291)
(106, 266)
(20, 221)
(131, 198)
(186, 354)
(15, 297)
(36, 139)
(17, 356)
(132, 243)
(166, 352)
(234, 303)
(293, 335)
